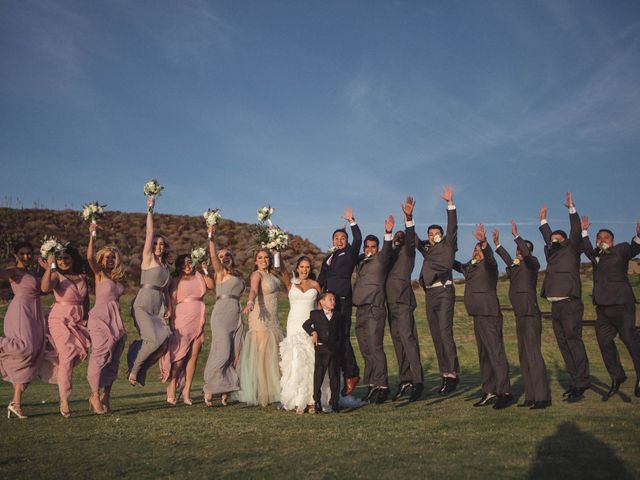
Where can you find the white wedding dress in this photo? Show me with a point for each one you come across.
(297, 353)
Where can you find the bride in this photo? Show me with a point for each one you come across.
(296, 350)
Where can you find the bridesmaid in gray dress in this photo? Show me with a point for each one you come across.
(152, 306)
(220, 375)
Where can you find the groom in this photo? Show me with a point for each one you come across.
(335, 276)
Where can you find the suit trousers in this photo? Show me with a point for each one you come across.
(615, 320)
(326, 359)
(494, 369)
(348, 362)
(370, 320)
(566, 316)
(532, 366)
(402, 326)
(440, 302)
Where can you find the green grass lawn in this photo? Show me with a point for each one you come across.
(438, 437)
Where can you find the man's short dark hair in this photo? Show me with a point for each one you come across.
(340, 230)
(324, 294)
(606, 230)
(560, 232)
(371, 238)
(436, 227)
(530, 245)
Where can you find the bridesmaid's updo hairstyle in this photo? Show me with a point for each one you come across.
(77, 262)
(20, 245)
(167, 247)
(255, 257)
(312, 275)
(116, 272)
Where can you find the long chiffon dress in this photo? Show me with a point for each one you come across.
(22, 346)
(188, 324)
(258, 366)
(68, 331)
(147, 311)
(107, 335)
(220, 375)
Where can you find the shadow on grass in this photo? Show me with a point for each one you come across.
(572, 453)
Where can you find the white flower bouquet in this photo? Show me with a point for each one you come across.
(91, 212)
(212, 217)
(199, 256)
(51, 246)
(152, 189)
(277, 239)
(265, 213)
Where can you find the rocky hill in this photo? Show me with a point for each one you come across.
(126, 231)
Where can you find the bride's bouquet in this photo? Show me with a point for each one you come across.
(91, 212)
(51, 246)
(212, 217)
(152, 189)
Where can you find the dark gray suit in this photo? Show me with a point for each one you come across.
(401, 302)
(369, 298)
(615, 304)
(436, 267)
(523, 280)
(481, 302)
(562, 279)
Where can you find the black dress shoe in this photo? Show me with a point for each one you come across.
(403, 388)
(527, 403)
(317, 408)
(450, 385)
(540, 405)
(442, 385)
(416, 392)
(370, 393)
(615, 386)
(568, 391)
(637, 389)
(576, 395)
(503, 401)
(487, 399)
(383, 394)
(335, 408)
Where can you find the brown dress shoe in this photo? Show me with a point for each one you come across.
(351, 385)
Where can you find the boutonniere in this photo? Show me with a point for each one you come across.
(516, 262)
(332, 250)
(474, 261)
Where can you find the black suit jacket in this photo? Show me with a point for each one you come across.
(480, 291)
(330, 332)
(371, 276)
(337, 277)
(398, 287)
(610, 272)
(562, 278)
(523, 280)
(439, 258)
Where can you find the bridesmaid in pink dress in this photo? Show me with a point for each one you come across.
(22, 346)
(179, 362)
(67, 318)
(105, 324)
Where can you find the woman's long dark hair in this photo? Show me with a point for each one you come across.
(77, 262)
(312, 274)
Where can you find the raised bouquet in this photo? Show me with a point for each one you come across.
(265, 213)
(153, 189)
(51, 246)
(199, 257)
(91, 212)
(212, 217)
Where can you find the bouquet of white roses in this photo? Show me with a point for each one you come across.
(92, 212)
(152, 189)
(277, 239)
(212, 217)
(51, 246)
(199, 256)
(264, 214)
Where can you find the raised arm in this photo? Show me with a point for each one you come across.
(147, 250)
(356, 234)
(91, 253)
(385, 253)
(544, 228)
(452, 217)
(575, 232)
(500, 250)
(458, 267)
(481, 235)
(49, 279)
(589, 251)
(216, 264)
(409, 229)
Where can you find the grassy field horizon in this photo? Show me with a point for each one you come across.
(437, 437)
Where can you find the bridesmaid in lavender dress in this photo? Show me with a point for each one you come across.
(152, 305)
(67, 318)
(220, 376)
(105, 324)
(22, 346)
(179, 362)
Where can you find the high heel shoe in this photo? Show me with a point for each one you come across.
(172, 400)
(208, 402)
(132, 380)
(16, 410)
(224, 399)
(187, 401)
(65, 413)
(95, 406)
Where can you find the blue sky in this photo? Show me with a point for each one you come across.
(314, 106)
